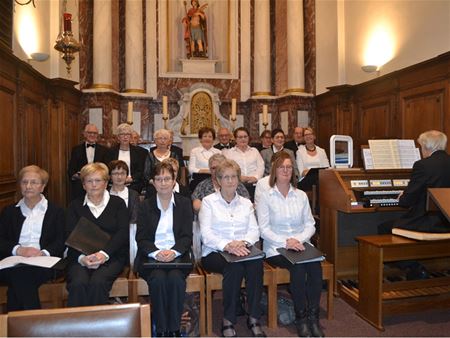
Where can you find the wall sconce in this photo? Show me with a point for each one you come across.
(25, 3)
(38, 57)
(66, 43)
(369, 68)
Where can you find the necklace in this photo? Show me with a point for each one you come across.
(311, 150)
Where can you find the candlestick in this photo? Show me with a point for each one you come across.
(165, 108)
(233, 109)
(265, 115)
(130, 113)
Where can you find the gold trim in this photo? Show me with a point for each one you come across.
(261, 94)
(101, 86)
(295, 90)
(134, 91)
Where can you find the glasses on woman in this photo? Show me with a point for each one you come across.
(285, 167)
(118, 173)
(94, 181)
(165, 179)
(229, 177)
(32, 183)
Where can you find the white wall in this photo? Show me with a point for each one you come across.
(417, 29)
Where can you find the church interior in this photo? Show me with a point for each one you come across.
(369, 69)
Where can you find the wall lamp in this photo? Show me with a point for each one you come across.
(369, 68)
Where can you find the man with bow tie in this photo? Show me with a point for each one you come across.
(296, 141)
(82, 154)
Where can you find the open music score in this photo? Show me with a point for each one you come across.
(391, 154)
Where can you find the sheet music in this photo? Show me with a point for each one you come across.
(385, 154)
(368, 160)
(408, 153)
(42, 261)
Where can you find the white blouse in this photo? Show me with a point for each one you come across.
(282, 217)
(222, 222)
(199, 158)
(250, 161)
(306, 161)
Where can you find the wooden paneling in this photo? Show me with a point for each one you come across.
(401, 104)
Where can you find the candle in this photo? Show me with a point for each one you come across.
(233, 109)
(67, 22)
(130, 112)
(165, 108)
(265, 115)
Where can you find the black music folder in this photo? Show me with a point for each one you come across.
(87, 237)
(311, 178)
(255, 253)
(181, 262)
(310, 254)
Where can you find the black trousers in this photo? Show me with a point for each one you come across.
(91, 286)
(306, 282)
(23, 286)
(233, 273)
(167, 292)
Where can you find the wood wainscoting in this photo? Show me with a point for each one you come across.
(401, 104)
(39, 124)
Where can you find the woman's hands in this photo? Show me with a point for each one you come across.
(94, 260)
(28, 251)
(237, 248)
(165, 256)
(294, 244)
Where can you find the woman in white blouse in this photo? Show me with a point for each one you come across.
(285, 221)
(228, 223)
(309, 155)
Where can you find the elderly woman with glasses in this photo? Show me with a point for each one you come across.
(285, 221)
(133, 156)
(91, 276)
(228, 223)
(32, 227)
(164, 232)
(310, 155)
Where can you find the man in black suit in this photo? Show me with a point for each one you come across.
(433, 171)
(225, 141)
(87, 152)
(296, 141)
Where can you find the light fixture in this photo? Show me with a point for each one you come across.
(66, 43)
(39, 56)
(25, 3)
(369, 68)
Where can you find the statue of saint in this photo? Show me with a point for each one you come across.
(195, 30)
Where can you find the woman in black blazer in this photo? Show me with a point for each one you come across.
(90, 277)
(164, 232)
(32, 227)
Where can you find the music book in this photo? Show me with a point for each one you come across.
(87, 237)
(311, 178)
(181, 262)
(393, 154)
(255, 253)
(41, 261)
(310, 254)
(420, 236)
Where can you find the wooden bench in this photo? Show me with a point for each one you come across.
(282, 276)
(377, 299)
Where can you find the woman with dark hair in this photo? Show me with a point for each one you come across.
(90, 277)
(285, 221)
(228, 223)
(32, 227)
(164, 232)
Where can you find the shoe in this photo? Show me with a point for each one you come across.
(417, 273)
(231, 331)
(301, 323)
(255, 327)
(313, 322)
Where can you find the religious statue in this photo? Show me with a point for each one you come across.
(195, 30)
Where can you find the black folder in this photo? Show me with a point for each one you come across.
(255, 253)
(181, 262)
(311, 178)
(310, 254)
(87, 237)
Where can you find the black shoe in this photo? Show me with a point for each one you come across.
(256, 329)
(231, 331)
(417, 273)
(301, 323)
(313, 321)
(173, 334)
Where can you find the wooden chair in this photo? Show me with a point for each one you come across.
(125, 320)
(214, 283)
(282, 276)
(195, 282)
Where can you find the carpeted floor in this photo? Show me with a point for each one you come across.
(347, 324)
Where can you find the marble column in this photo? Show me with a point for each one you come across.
(295, 49)
(134, 47)
(102, 63)
(262, 50)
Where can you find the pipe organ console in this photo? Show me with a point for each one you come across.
(352, 203)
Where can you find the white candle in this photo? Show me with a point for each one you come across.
(233, 109)
(265, 114)
(130, 112)
(165, 107)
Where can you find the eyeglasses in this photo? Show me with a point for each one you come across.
(242, 136)
(125, 134)
(307, 134)
(285, 167)
(229, 178)
(91, 132)
(92, 181)
(32, 183)
(161, 139)
(119, 174)
(165, 179)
